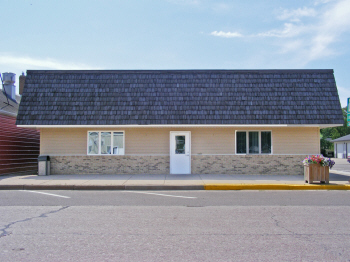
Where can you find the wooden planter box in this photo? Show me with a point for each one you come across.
(316, 172)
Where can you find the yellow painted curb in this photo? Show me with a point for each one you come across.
(275, 187)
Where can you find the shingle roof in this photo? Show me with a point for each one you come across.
(343, 138)
(144, 97)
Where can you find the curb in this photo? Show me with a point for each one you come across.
(96, 187)
(48, 187)
(182, 187)
(275, 187)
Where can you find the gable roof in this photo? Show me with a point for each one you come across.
(343, 138)
(180, 97)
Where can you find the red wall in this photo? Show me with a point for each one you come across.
(19, 147)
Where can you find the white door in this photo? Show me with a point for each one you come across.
(340, 150)
(180, 152)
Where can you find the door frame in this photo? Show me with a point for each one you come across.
(170, 148)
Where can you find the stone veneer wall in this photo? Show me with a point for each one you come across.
(248, 164)
(63, 165)
(200, 164)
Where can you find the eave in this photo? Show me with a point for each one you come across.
(177, 126)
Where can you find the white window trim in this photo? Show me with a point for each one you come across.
(247, 142)
(99, 142)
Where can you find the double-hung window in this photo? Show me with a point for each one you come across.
(253, 142)
(105, 143)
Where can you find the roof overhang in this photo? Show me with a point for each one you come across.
(339, 141)
(172, 126)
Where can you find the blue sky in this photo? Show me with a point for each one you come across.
(177, 34)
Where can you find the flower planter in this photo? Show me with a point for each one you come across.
(316, 172)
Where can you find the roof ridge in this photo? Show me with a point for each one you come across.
(177, 71)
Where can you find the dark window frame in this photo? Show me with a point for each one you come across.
(239, 144)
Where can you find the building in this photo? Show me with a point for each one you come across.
(19, 147)
(179, 121)
(342, 147)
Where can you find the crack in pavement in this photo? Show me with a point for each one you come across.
(6, 227)
(277, 223)
(306, 237)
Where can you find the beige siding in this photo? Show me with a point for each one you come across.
(147, 141)
(296, 140)
(213, 140)
(155, 141)
(63, 141)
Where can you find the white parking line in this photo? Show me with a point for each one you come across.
(44, 193)
(157, 194)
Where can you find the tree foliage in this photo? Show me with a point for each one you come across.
(334, 132)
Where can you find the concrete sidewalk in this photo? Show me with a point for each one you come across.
(339, 180)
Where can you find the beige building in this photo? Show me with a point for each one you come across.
(179, 121)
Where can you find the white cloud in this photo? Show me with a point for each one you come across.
(36, 63)
(332, 25)
(19, 64)
(308, 40)
(296, 14)
(320, 2)
(313, 40)
(226, 34)
(292, 46)
(289, 30)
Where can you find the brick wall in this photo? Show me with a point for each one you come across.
(248, 164)
(61, 165)
(200, 164)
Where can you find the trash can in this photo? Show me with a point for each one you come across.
(43, 165)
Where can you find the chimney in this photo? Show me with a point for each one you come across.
(22, 80)
(9, 80)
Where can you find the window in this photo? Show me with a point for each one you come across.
(253, 142)
(105, 143)
(266, 142)
(180, 145)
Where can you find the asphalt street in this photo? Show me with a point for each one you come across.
(173, 198)
(174, 226)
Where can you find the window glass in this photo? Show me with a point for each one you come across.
(180, 144)
(93, 143)
(118, 143)
(266, 142)
(253, 142)
(105, 143)
(241, 142)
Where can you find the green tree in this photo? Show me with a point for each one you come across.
(325, 144)
(334, 132)
(339, 131)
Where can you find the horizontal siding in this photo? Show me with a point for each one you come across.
(154, 141)
(147, 141)
(63, 141)
(19, 147)
(213, 141)
(296, 140)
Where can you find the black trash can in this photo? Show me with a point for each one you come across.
(43, 165)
